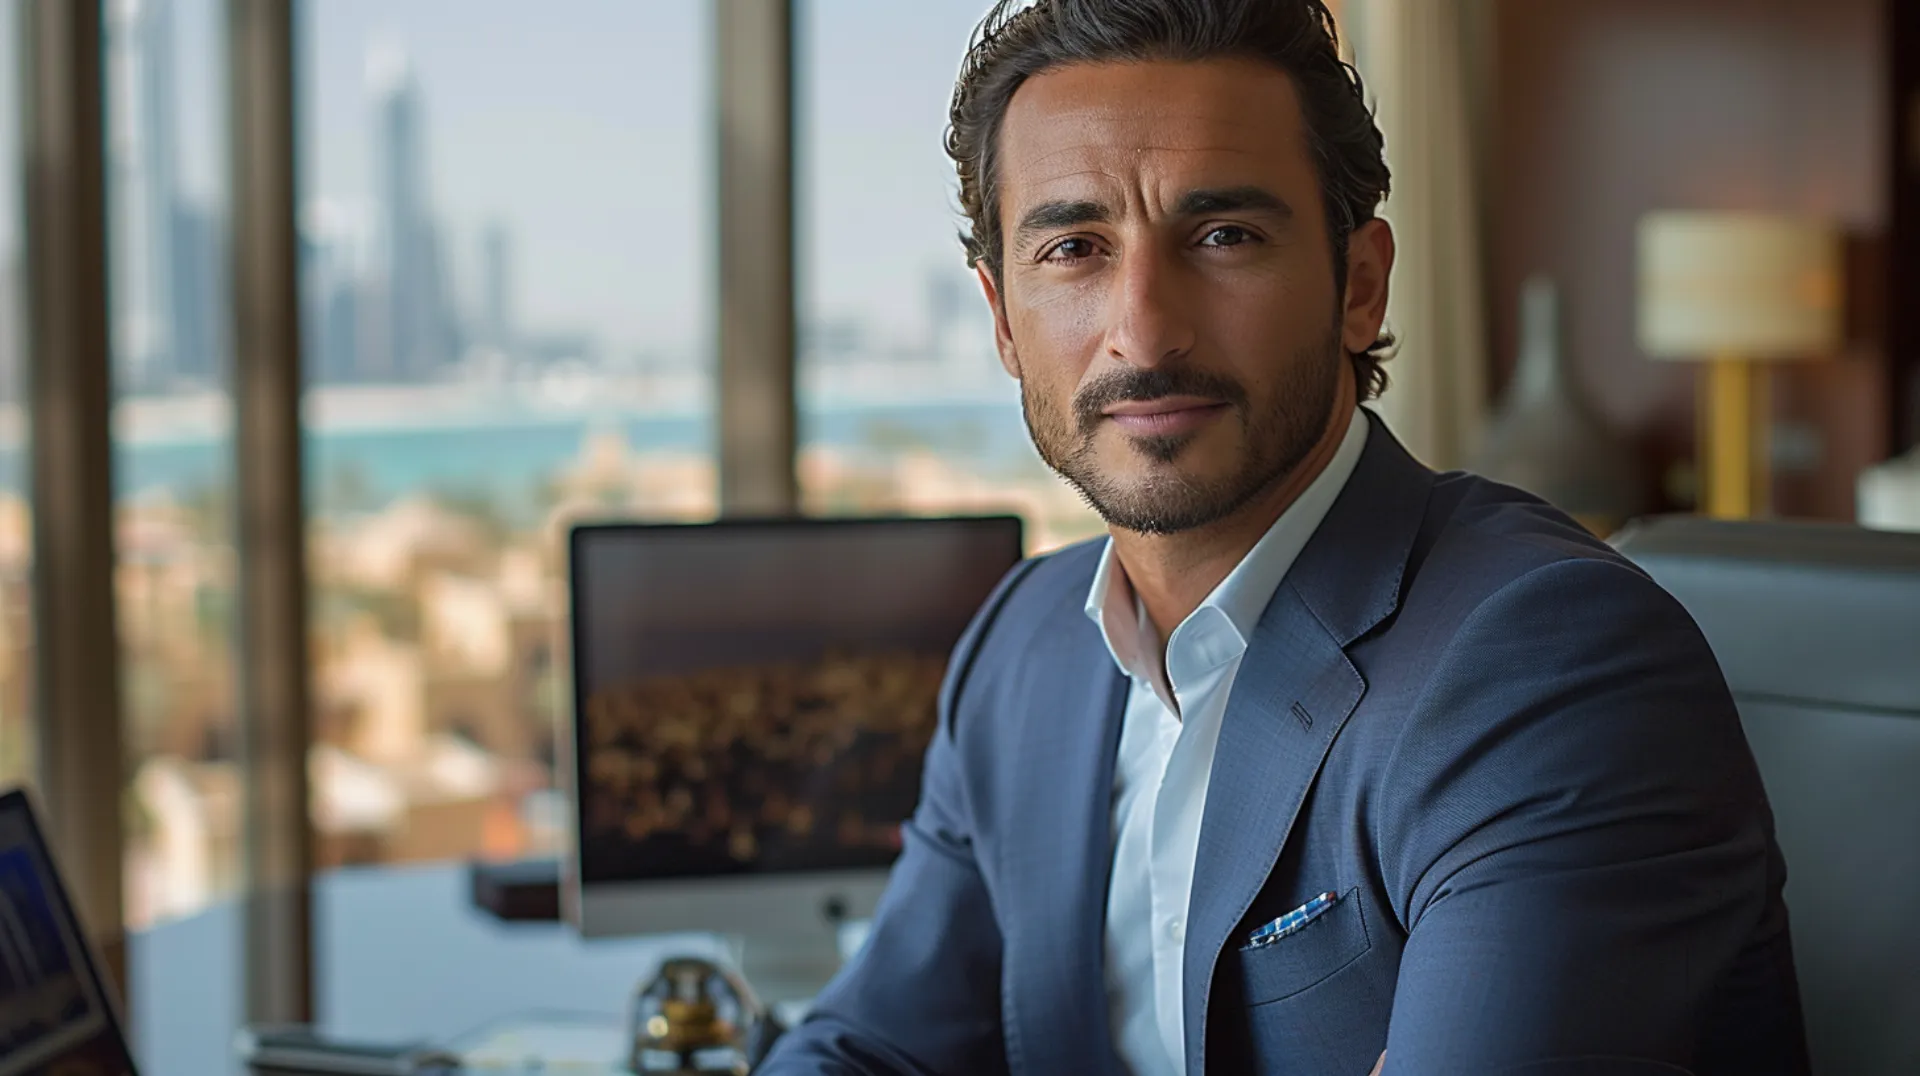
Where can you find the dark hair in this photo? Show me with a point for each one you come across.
(1017, 41)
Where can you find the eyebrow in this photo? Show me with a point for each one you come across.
(1232, 200)
(1048, 216)
(1051, 216)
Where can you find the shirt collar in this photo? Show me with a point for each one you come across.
(1244, 594)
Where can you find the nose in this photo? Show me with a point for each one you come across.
(1149, 323)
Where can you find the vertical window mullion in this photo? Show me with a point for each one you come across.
(274, 679)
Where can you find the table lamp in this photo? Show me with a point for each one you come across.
(1736, 290)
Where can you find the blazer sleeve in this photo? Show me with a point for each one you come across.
(1577, 838)
(922, 997)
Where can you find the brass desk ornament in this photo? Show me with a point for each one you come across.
(698, 1017)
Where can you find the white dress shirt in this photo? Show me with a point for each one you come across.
(1166, 756)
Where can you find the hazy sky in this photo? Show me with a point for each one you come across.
(880, 203)
(584, 126)
(580, 124)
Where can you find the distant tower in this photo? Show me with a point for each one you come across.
(12, 325)
(945, 300)
(959, 326)
(330, 287)
(142, 182)
(496, 288)
(413, 337)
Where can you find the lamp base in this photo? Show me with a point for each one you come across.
(1734, 461)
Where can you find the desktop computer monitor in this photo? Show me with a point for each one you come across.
(752, 700)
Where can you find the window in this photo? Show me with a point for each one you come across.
(903, 404)
(165, 159)
(505, 301)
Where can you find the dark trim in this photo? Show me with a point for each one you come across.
(755, 308)
(76, 643)
(1903, 247)
(274, 690)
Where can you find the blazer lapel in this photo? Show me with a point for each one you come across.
(1294, 690)
(1057, 850)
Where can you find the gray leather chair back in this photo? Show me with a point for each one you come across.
(1817, 628)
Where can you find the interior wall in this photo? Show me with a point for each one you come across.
(1604, 110)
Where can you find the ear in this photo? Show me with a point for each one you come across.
(1363, 309)
(1002, 332)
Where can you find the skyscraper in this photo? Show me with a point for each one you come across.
(168, 255)
(142, 179)
(330, 289)
(12, 328)
(496, 288)
(410, 333)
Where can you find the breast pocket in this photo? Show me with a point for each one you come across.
(1318, 999)
(1302, 959)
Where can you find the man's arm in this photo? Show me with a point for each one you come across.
(1578, 834)
(923, 995)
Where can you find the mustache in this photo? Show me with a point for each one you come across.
(1133, 385)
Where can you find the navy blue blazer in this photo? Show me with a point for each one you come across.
(1509, 752)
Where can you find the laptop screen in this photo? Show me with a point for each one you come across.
(54, 1017)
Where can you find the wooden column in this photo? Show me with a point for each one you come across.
(76, 647)
(277, 847)
(753, 42)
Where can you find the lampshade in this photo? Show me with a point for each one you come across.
(1743, 285)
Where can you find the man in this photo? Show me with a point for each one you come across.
(1321, 760)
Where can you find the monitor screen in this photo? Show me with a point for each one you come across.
(755, 697)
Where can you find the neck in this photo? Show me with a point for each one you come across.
(1174, 573)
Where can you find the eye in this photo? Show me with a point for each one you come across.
(1227, 235)
(1070, 250)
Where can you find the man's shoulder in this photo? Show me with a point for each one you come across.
(1037, 608)
(1482, 540)
(1038, 589)
(1495, 571)
(1048, 586)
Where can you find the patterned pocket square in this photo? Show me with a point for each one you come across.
(1292, 921)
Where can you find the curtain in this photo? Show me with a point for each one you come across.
(1422, 61)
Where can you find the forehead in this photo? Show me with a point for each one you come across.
(1105, 130)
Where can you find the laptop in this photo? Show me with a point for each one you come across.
(57, 1017)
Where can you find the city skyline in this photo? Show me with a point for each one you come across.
(167, 274)
(589, 139)
(589, 152)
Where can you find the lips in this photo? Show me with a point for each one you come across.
(1165, 416)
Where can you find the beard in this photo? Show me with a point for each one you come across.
(1277, 435)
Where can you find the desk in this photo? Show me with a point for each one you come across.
(398, 953)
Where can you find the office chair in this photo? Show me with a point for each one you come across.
(1817, 628)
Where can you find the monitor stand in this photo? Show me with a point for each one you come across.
(786, 970)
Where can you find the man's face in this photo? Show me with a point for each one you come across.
(1166, 294)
